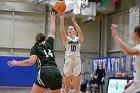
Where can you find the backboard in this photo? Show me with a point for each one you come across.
(79, 7)
(88, 9)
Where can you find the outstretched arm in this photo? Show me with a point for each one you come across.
(129, 84)
(62, 28)
(124, 47)
(52, 25)
(28, 62)
(78, 29)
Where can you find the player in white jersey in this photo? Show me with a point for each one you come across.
(72, 65)
(135, 52)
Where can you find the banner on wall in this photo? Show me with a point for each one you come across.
(16, 76)
(110, 64)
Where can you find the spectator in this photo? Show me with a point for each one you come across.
(93, 86)
(100, 73)
(84, 83)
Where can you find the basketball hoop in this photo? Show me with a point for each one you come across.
(74, 5)
(84, 3)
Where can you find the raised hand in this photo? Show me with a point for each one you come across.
(114, 29)
(52, 16)
(61, 15)
(12, 63)
(73, 16)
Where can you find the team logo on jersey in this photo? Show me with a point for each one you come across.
(72, 42)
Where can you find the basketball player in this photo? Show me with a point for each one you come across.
(72, 43)
(42, 54)
(135, 52)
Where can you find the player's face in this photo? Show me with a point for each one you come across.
(135, 37)
(71, 31)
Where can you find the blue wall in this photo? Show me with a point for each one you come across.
(18, 75)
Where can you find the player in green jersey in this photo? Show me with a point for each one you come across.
(49, 76)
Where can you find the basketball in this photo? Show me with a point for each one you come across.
(60, 6)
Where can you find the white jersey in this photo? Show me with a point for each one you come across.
(136, 65)
(72, 47)
(72, 66)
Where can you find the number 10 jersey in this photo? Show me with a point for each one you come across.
(72, 47)
(72, 66)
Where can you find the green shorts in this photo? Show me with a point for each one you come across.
(49, 77)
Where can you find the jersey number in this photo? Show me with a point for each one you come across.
(49, 54)
(73, 48)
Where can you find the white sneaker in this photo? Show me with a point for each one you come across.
(72, 91)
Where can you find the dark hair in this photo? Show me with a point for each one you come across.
(137, 30)
(101, 66)
(40, 37)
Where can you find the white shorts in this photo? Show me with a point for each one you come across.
(134, 88)
(72, 67)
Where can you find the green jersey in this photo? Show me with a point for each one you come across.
(44, 52)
